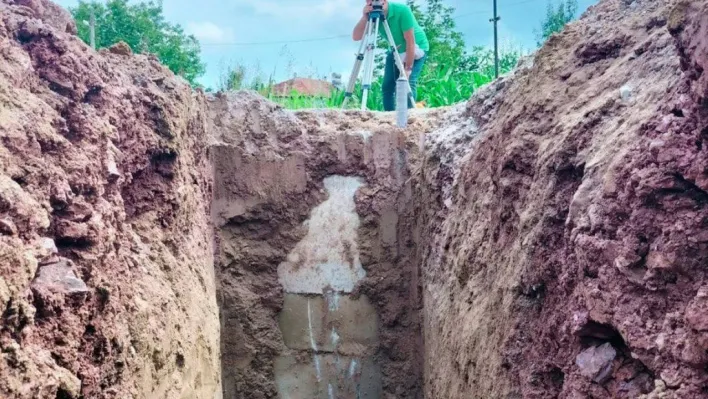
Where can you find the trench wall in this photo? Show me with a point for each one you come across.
(106, 270)
(567, 247)
(316, 256)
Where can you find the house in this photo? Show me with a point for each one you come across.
(304, 87)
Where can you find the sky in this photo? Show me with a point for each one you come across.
(313, 37)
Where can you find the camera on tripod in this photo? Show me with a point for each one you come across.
(365, 58)
(376, 9)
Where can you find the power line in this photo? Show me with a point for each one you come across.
(320, 39)
(467, 14)
(316, 39)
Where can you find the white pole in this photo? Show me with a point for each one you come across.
(92, 29)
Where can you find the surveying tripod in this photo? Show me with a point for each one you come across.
(365, 56)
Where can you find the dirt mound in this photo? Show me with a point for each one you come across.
(577, 219)
(106, 278)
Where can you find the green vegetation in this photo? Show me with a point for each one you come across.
(452, 73)
(557, 16)
(233, 78)
(298, 101)
(143, 27)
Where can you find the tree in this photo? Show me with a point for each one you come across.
(143, 27)
(233, 78)
(237, 76)
(481, 59)
(447, 45)
(556, 18)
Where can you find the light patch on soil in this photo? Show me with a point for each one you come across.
(327, 258)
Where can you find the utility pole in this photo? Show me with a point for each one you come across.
(495, 20)
(92, 29)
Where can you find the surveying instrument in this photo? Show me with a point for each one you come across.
(365, 57)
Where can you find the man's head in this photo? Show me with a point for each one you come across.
(379, 2)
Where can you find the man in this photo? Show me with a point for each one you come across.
(409, 39)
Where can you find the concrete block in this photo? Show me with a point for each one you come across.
(336, 323)
(308, 376)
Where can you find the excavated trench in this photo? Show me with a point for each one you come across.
(549, 241)
(317, 266)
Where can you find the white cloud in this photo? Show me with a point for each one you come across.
(209, 32)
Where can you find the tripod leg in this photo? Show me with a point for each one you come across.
(369, 63)
(399, 61)
(371, 44)
(357, 68)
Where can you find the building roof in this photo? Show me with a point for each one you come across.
(304, 86)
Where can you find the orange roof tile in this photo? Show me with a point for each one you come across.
(304, 86)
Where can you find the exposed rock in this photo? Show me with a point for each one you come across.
(59, 277)
(625, 93)
(51, 13)
(672, 378)
(595, 362)
(49, 245)
(112, 167)
(7, 227)
(697, 312)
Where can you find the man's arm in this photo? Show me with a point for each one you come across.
(407, 26)
(358, 33)
(410, 50)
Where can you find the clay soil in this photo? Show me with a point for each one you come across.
(266, 187)
(548, 241)
(106, 279)
(577, 218)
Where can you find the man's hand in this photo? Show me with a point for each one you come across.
(367, 9)
(358, 32)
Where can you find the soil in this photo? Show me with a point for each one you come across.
(577, 218)
(549, 240)
(104, 198)
(266, 187)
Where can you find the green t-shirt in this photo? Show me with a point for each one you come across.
(401, 19)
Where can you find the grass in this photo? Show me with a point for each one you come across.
(440, 87)
(335, 99)
(442, 83)
(437, 89)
